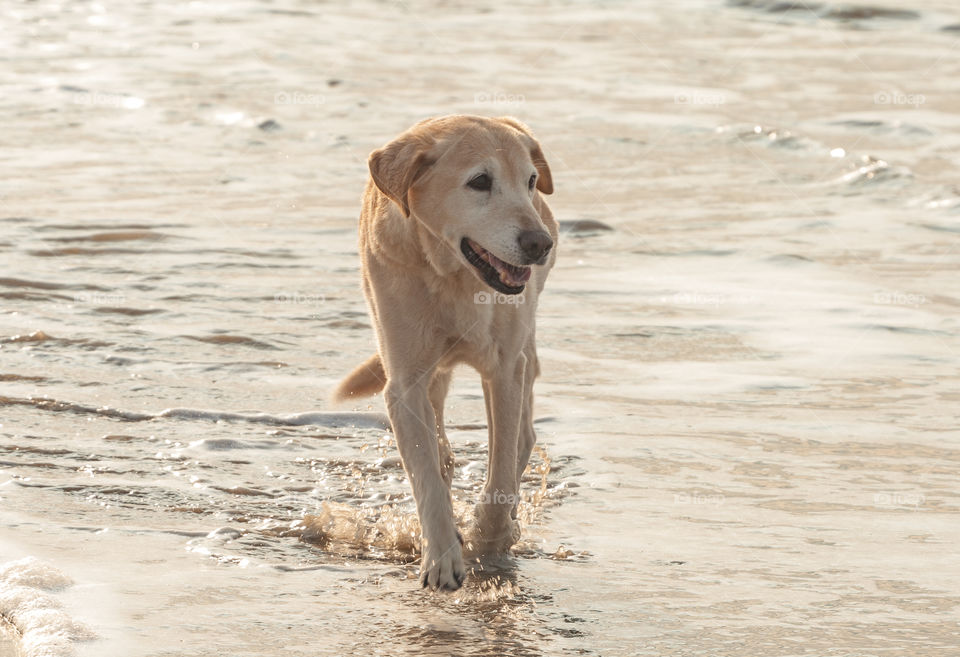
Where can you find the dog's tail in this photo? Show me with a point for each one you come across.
(367, 378)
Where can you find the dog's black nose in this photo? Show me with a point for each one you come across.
(535, 244)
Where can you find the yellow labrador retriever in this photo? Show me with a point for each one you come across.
(455, 245)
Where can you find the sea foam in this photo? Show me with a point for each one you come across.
(28, 603)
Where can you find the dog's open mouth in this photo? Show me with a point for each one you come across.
(501, 276)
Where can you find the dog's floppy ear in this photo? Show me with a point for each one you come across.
(397, 166)
(544, 177)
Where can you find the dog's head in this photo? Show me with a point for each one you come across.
(471, 182)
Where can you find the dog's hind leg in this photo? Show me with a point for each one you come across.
(438, 395)
(528, 437)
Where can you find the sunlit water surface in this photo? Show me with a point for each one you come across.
(748, 409)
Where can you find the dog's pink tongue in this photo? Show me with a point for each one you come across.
(514, 276)
(509, 274)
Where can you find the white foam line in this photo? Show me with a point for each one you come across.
(330, 419)
(44, 629)
(320, 418)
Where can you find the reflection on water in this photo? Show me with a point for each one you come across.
(750, 342)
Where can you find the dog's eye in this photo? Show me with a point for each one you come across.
(481, 183)
(532, 182)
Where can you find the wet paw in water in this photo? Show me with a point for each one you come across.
(442, 564)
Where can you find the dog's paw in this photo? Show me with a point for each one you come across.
(495, 531)
(442, 565)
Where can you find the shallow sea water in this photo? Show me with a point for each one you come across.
(748, 409)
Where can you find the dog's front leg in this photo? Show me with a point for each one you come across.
(414, 427)
(496, 528)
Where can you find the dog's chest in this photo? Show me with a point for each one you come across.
(481, 330)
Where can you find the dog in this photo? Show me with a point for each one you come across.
(456, 242)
